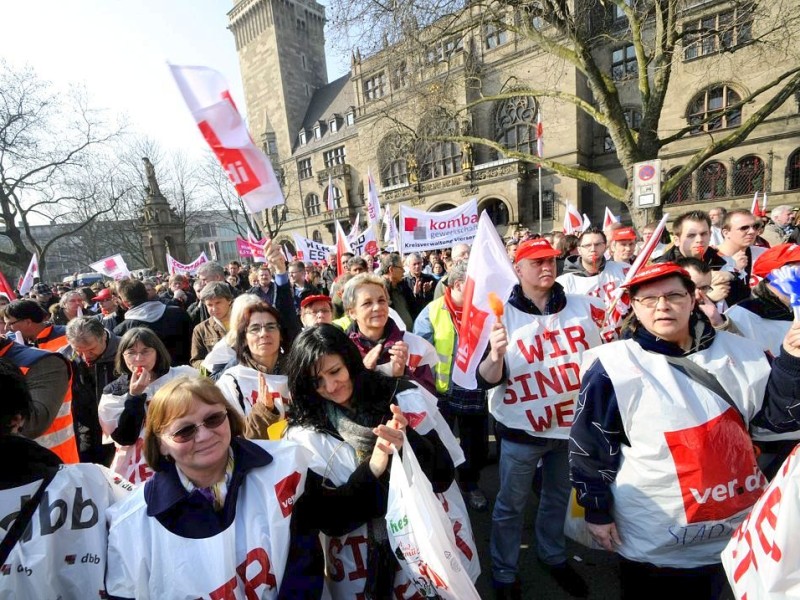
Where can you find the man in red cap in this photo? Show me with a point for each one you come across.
(315, 310)
(623, 245)
(532, 368)
(589, 272)
(659, 410)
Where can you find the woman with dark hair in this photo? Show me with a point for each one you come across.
(143, 365)
(222, 517)
(255, 382)
(337, 411)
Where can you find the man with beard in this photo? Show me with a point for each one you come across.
(589, 272)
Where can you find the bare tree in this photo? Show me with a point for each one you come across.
(577, 36)
(51, 161)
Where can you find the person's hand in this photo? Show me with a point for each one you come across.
(740, 260)
(498, 342)
(274, 257)
(370, 359)
(264, 395)
(791, 342)
(720, 285)
(399, 358)
(709, 308)
(605, 535)
(179, 295)
(389, 435)
(426, 287)
(140, 379)
(418, 286)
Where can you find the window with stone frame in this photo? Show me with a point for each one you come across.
(436, 157)
(793, 171)
(748, 176)
(393, 152)
(717, 107)
(497, 210)
(333, 157)
(375, 87)
(623, 63)
(515, 124)
(712, 181)
(316, 236)
(304, 170)
(633, 117)
(400, 76)
(443, 49)
(350, 117)
(303, 137)
(494, 35)
(720, 32)
(313, 205)
(682, 194)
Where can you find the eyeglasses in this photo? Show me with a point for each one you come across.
(671, 298)
(744, 228)
(10, 323)
(319, 311)
(144, 352)
(188, 433)
(705, 288)
(590, 246)
(268, 327)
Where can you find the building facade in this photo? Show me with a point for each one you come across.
(376, 119)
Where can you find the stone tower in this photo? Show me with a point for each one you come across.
(281, 47)
(162, 230)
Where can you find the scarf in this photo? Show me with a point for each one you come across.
(216, 493)
(455, 311)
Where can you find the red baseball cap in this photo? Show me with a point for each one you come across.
(535, 249)
(623, 234)
(657, 271)
(104, 294)
(317, 298)
(775, 258)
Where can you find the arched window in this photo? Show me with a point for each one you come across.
(793, 171)
(442, 207)
(316, 236)
(498, 211)
(515, 124)
(712, 110)
(712, 182)
(392, 154)
(748, 176)
(337, 197)
(437, 158)
(682, 193)
(312, 205)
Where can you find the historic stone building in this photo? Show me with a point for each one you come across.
(362, 121)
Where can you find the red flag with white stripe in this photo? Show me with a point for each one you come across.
(248, 168)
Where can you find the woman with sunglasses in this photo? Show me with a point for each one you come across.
(222, 516)
(347, 415)
(143, 365)
(255, 382)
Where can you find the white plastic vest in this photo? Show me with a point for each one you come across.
(689, 476)
(601, 285)
(129, 460)
(543, 365)
(62, 554)
(247, 378)
(247, 560)
(420, 352)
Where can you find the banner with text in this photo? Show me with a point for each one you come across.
(112, 266)
(173, 266)
(364, 242)
(311, 251)
(421, 230)
(248, 249)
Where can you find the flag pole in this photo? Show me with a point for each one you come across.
(540, 199)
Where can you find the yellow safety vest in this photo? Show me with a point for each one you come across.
(444, 340)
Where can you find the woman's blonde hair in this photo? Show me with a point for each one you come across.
(172, 402)
(360, 280)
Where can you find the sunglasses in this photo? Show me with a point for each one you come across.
(187, 433)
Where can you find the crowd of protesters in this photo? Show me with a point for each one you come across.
(196, 408)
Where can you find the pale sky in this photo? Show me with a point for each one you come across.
(119, 50)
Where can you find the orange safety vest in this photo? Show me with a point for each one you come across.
(60, 436)
(50, 340)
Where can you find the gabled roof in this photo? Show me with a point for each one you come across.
(334, 98)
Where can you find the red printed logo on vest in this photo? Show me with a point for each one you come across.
(414, 419)
(598, 315)
(285, 491)
(716, 468)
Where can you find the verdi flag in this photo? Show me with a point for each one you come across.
(32, 273)
(373, 205)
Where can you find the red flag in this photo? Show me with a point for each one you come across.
(342, 246)
(539, 135)
(6, 288)
(756, 209)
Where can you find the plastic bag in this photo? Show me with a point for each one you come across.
(421, 535)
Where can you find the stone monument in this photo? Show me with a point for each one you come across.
(162, 229)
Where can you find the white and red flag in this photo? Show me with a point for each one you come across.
(572, 220)
(390, 233)
(373, 205)
(209, 100)
(539, 135)
(586, 223)
(286, 254)
(759, 210)
(112, 266)
(331, 197)
(489, 270)
(32, 273)
(609, 219)
(342, 246)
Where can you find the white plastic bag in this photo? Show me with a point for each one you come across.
(421, 534)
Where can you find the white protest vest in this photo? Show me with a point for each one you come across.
(247, 560)
(62, 554)
(129, 460)
(346, 556)
(247, 380)
(762, 559)
(689, 476)
(601, 285)
(543, 365)
(420, 352)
